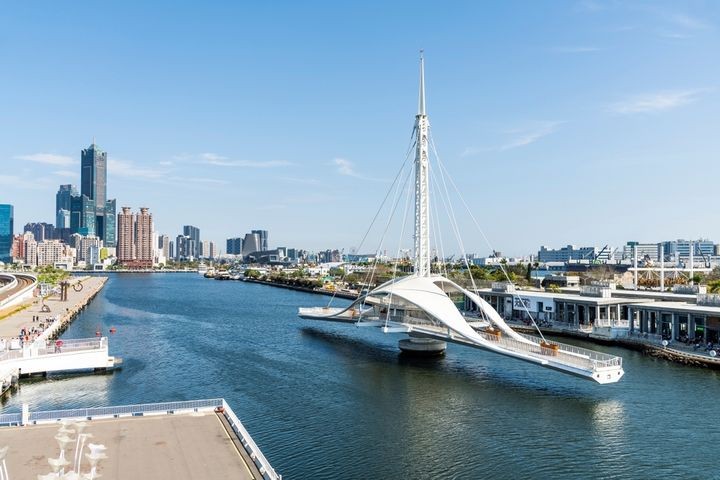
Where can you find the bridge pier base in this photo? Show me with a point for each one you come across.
(426, 347)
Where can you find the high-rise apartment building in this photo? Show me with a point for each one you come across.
(30, 249)
(164, 245)
(6, 231)
(50, 252)
(184, 248)
(125, 243)
(135, 238)
(263, 234)
(194, 234)
(87, 246)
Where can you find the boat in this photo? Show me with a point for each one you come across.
(433, 310)
(202, 269)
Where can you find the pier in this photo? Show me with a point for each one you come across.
(36, 352)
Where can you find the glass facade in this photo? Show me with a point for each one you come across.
(6, 231)
(108, 233)
(93, 174)
(83, 215)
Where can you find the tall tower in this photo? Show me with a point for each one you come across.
(93, 176)
(422, 210)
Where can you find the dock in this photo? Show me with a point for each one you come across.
(173, 441)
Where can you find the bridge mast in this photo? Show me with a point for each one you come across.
(422, 210)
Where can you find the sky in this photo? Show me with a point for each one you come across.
(566, 122)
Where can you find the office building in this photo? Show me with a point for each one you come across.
(194, 234)
(83, 215)
(571, 253)
(135, 247)
(680, 249)
(263, 234)
(184, 248)
(93, 185)
(233, 246)
(251, 243)
(7, 219)
(63, 205)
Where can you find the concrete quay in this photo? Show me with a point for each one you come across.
(64, 312)
(33, 351)
(196, 439)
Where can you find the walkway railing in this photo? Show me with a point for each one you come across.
(124, 410)
(65, 346)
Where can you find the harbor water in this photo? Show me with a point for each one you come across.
(336, 401)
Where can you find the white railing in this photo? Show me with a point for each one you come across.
(566, 354)
(10, 419)
(260, 461)
(124, 410)
(612, 322)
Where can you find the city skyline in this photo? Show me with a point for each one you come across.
(608, 122)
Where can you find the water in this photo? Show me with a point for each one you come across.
(334, 401)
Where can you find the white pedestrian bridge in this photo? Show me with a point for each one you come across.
(427, 307)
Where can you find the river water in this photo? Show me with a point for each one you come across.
(335, 401)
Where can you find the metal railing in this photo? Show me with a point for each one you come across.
(260, 461)
(124, 410)
(612, 322)
(566, 354)
(10, 419)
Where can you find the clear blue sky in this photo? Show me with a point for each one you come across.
(582, 122)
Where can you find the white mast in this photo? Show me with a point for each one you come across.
(422, 210)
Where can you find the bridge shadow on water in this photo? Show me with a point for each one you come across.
(474, 369)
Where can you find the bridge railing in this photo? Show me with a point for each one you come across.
(566, 354)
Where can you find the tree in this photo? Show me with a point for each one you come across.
(251, 273)
(51, 275)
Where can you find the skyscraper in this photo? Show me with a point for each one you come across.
(251, 244)
(6, 231)
(63, 201)
(194, 234)
(125, 242)
(93, 185)
(83, 215)
(93, 176)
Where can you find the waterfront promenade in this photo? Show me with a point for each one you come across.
(62, 311)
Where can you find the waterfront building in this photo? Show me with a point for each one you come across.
(163, 246)
(7, 219)
(184, 248)
(233, 246)
(208, 250)
(135, 238)
(263, 234)
(572, 253)
(171, 249)
(251, 243)
(194, 234)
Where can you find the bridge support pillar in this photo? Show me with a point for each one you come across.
(427, 347)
